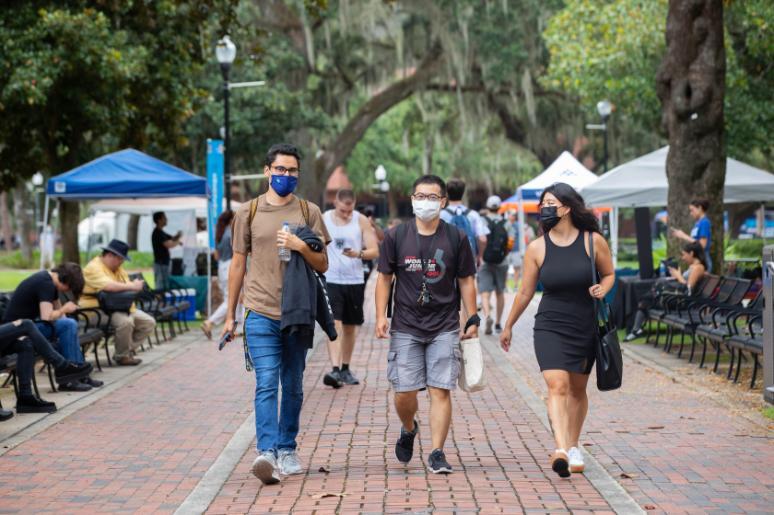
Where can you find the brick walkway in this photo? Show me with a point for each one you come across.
(146, 446)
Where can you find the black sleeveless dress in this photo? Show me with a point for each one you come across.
(565, 321)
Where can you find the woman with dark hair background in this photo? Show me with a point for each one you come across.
(702, 229)
(223, 254)
(693, 255)
(565, 325)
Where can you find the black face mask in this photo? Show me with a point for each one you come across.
(549, 217)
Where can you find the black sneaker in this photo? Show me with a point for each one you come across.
(346, 377)
(404, 447)
(498, 328)
(634, 335)
(333, 379)
(5, 414)
(489, 322)
(437, 463)
(32, 404)
(94, 383)
(70, 372)
(74, 386)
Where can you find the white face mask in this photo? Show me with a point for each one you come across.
(426, 210)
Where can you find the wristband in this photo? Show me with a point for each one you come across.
(473, 320)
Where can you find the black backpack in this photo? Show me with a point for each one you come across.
(496, 242)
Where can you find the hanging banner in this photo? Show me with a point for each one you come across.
(215, 150)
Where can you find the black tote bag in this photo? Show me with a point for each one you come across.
(607, 348)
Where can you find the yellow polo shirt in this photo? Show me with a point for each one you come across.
(96, 276)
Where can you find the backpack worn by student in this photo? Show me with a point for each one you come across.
(462, 221)
(497, 242)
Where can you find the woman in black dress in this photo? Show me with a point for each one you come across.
(565, 325)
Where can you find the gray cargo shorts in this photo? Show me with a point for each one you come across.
(492, 277)
(414, 363)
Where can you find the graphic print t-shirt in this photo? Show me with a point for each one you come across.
(444, 266)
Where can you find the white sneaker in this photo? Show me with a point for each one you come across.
(265, 468)
(576, 460)
(289, 464)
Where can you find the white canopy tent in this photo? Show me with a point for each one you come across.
(642, 182)
(565, 169)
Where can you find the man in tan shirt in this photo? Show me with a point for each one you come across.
(258, 231)
(106, 273)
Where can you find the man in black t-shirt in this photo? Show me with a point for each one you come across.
(162, 242)
(434, 268)
(37, 298)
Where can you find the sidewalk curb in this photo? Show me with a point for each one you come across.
(618, 498)
(216, 476)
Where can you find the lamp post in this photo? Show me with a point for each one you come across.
(380, 174)
(604, 108)
(37, 182)
(225, 52)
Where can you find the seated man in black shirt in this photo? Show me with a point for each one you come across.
(37, 298)
(162, 242)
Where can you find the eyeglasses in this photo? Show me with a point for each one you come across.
(422, 196)
(286, 171)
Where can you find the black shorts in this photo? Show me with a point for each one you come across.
(347, 302)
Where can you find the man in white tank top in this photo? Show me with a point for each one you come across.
(353, 240)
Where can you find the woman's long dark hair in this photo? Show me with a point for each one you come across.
(224, 220)
(695, 248)
(581, 216)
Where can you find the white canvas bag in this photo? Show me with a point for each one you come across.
(471, 366)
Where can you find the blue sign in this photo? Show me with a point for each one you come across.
(215, 150)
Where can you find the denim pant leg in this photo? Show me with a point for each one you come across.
(66, 330)
(264, 343)
(292, 377)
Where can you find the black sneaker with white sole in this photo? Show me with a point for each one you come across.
(437, 463)
(346, 377)
(404, 447)
(333, 379)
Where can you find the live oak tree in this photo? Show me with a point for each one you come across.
(691, 87)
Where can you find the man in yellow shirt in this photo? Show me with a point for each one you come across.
(106, 273)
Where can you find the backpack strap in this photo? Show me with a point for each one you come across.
(254, 208)
(304, 210)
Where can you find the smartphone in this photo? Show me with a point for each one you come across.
(347, 249)
(224, 340)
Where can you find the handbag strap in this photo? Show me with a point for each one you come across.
(601, 307)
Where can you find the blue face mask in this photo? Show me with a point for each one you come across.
(283, 185)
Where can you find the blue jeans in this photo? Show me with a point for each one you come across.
(275, 358)
(66, 332)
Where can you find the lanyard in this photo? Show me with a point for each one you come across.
(425, 265)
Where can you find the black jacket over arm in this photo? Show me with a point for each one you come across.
(305, 295)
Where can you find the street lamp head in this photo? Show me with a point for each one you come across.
(604, 108)
(384, 186)
(380, 173)
(225, 51)
(37, 179)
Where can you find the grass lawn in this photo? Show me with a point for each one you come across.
(769, 412)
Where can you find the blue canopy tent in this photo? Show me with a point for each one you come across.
(127, 173)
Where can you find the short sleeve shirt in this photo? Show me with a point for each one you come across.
(444, 266)
(160, 251)
(26, 299)
(224, 246)
(703, 229)
(96, 276)
(265, 273)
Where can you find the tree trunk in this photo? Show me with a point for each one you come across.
(5, 222)
(131, 231)
(338, 151)
(691, 85)
(21, 202)
(69, 215)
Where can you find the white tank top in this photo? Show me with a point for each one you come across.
(343, 269)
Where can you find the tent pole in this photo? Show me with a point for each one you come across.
(614, 235)
(40, 236)
(521, 234)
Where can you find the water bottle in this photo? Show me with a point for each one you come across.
(662, 270)
(284, 252)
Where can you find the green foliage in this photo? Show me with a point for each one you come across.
(612, 49)
(752, 248)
